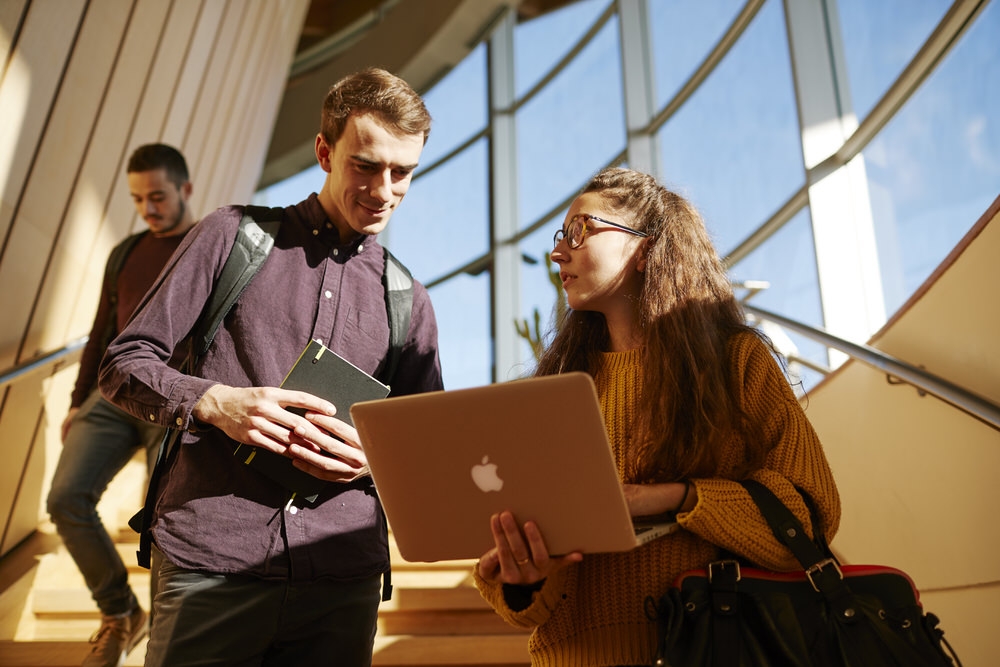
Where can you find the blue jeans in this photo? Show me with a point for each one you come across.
(206, 619)
(101, 440)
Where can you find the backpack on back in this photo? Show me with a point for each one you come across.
(113, 267)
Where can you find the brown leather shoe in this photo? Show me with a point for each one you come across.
(117, 636)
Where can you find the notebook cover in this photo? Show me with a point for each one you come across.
(320, 372)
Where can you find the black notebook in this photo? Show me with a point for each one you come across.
(320, 372)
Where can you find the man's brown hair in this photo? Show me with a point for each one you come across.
(150, 157)
(378, 92)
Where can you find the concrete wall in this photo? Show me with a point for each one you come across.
(918, 478)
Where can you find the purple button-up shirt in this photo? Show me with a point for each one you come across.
(213, 513)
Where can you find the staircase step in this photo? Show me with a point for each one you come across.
(56, 653)
(69, 603)
(126, 550)
(440, 611)
(398, 651)
(60, 604)
(71, 613)
(435, 617)
(464, 651)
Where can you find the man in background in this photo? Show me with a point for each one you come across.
(99, 438)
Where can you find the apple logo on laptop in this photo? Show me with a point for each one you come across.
(485, 476)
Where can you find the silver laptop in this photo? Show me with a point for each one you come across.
(444, 461)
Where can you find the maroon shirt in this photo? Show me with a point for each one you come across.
(213, 513)
(142, 265)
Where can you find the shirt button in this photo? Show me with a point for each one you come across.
(293, 510)
(315, 232)
(152, 418)
(328, 294)
(361, 247)
(179, 421)
(336, 252)
(319, 340)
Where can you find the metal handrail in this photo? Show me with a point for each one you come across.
(41, 362)
(966, 401)
(972, 404)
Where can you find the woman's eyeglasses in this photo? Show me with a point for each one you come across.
(579, 225)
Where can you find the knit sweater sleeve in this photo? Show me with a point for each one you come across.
(543, 601)
(725, 514)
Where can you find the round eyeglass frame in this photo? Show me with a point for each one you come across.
(579, 222)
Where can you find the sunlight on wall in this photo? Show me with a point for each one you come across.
(14, 99)
(4, 43)
(77, 268)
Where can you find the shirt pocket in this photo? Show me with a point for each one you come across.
(365, 338)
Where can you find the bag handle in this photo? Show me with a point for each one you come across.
(785, 526)
(819, 564)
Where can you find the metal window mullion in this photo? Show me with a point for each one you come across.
(639, 88)
(948, 32)
(568, 58)
(958, 18)
(505, 277)
(849, 275)
(732, 34)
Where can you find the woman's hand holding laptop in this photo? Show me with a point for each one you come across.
(519, 555)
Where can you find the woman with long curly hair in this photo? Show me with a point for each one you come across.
(694, 401)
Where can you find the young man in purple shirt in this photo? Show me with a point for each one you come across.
(251, 573)
(99, 438)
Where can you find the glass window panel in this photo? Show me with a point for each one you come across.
(293, 189)
(880, 39)
(788, 262)
(571, 128)
(443, 221)
(541, 42)
(538, 293)
(458, 106)
(684, 31)
(934, 169)
(734, 147)
(462, 308)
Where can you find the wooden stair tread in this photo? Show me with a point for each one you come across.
(66, 603)
(56, 653)
(435, 617)
(75, 601)
(479, 650)
(460, 597)
(397, 651)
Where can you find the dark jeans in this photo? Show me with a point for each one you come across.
(213, 619)
(100, 441)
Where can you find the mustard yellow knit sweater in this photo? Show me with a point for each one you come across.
(592, 613)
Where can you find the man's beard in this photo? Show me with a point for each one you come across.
(176, 221)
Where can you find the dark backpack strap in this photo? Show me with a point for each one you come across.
(112, 269)
(254, 240)
(140, 521)
(116, 260)
(398, 283)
